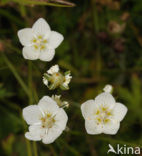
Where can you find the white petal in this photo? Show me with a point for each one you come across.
(67, 80)
(32, 136)
(36, 132)
(111, 128)
(53, 69)
(92, 128)
(47, 55)
(88, 108)
(41, 27)
(119, 111)
(55, 39)
(52, 135)
(47, 104)
(45, 81)
(105, 99)
(30, 54)
(25, 36)
(61, 119)
(32, 114)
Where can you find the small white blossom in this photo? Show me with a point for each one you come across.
(53, 69)
(108, 88)
(103, 115)
(46, 120)
(54, 78)
(39, 41)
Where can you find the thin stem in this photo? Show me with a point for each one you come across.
(96, 28)
(30, 82)
(31, 98)
(35, 148)
(28, 147)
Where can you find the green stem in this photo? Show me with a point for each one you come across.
(31, 97)
(28, 147)
(30, 82)
(35, 148)
(96, 29)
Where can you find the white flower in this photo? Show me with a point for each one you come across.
(108, 88)
(46, 120)
(39, 41)
(103, 115)
(54, 78)
(53, 69)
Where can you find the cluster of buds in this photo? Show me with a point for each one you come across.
(53, 78)
(60, 103)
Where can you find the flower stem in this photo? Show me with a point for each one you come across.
(29, 152)
(35, 149)
(30, 82)
(31, 98)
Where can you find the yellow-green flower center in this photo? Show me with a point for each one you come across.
(48, 121)
(102, 115)
(39, 43)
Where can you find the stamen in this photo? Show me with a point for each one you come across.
(103, 115)
(98, 112)
(39, 42)
(48, 121)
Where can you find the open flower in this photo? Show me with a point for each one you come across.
(39, 41)
(54, 78)
(46, 120)
(103, 115)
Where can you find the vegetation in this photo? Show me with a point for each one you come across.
(102, 45)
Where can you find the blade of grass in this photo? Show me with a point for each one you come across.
(17, 76)
(43, 2)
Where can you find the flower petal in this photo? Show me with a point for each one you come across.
(32, 114)
(88, 108)
(92, 128)
(25, 36)
(61, 119)
(53, 69)
(41, 27)
(111, 127)
(119, 111)
(105, 99)
(55, 39)
(30, 54)
(47, 55)
(47, 104)
(32, 136)
(52, 135)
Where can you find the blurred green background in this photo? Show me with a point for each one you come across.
(102, 45)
